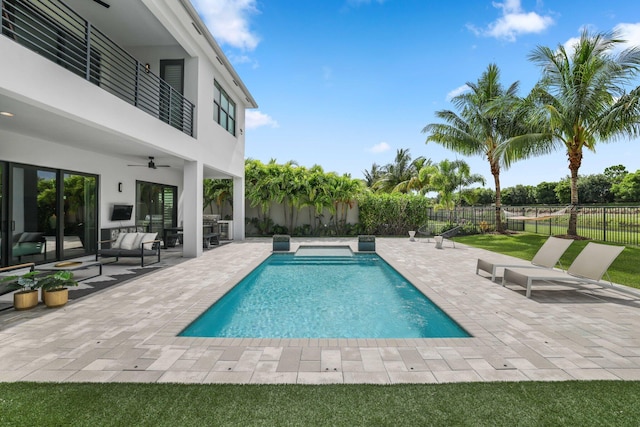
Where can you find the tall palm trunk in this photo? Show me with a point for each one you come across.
(495, 171)
(575, 160)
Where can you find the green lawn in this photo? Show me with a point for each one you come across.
(587, 403)
(625, 270)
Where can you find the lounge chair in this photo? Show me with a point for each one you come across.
(447, 235)
(588, 267)
(426, 231)
(547, 257)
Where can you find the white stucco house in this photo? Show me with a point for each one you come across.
(109, 104)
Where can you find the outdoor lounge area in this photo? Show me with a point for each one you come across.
(128, 332)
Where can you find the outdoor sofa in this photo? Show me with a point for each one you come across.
(141, 245)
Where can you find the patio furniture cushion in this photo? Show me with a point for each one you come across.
(147, 240)
(118, 241)
(128, 241)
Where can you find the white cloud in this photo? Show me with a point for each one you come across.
(380, 148)
(255, 119)
(570, 44)
(457, 91)
(228, 21)
(630, 33)
(514, 22)
(243, 59)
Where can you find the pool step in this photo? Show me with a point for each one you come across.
(321, 260)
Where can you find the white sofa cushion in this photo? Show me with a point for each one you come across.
(137, 244)
(147, 237)
(129, 240)
(116, 244)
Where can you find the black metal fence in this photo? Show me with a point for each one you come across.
(55, 31)
(616, 224)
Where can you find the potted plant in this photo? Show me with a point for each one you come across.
(27, 287)
(55, 292)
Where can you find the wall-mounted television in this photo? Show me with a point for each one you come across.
(121, 212)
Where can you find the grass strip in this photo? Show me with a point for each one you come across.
(584, 403)
(625, 270)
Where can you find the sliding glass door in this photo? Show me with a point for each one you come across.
(47, 214)
(80, 207)
(33, 214)
(155, 206)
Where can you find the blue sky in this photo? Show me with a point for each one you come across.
(346, 83)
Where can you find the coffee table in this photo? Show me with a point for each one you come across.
(72, 266)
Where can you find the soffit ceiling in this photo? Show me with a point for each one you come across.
(42, 124)
(126, 22)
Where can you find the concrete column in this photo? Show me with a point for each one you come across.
(238, 208)
(192, 209)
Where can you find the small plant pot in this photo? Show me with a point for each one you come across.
(25, 300)
(56, 298)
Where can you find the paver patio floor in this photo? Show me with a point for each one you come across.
(127, 333)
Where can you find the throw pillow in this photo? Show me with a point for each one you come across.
(128, 241)
(137, 244)
(116, 244)
(148, 237)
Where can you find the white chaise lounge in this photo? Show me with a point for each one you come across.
(547, 257)
(589, 266)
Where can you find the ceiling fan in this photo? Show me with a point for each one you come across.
(152, 164)
(101, 3)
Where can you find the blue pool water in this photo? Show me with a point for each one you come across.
(356, 296)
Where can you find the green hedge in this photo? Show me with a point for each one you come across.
(391, 214)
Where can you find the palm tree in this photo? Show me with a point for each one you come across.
(258, 191)
(446, 177)
(314, 194)
(344, 190)
(396, 176)
(486, 120)
(372, 176)
(218, 191)
(285, 186)
(581, 99)
(414, 183)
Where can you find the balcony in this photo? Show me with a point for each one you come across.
(56, 32)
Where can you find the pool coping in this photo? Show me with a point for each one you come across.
(129, 333)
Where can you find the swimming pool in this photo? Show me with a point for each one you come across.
(318, 296)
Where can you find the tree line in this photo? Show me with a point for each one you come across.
(582, 98)
(615, 185)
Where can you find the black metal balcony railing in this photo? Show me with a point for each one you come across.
(55, 31)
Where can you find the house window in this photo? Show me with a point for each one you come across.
(224, 109)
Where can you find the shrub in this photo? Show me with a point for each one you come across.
(391, 213)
